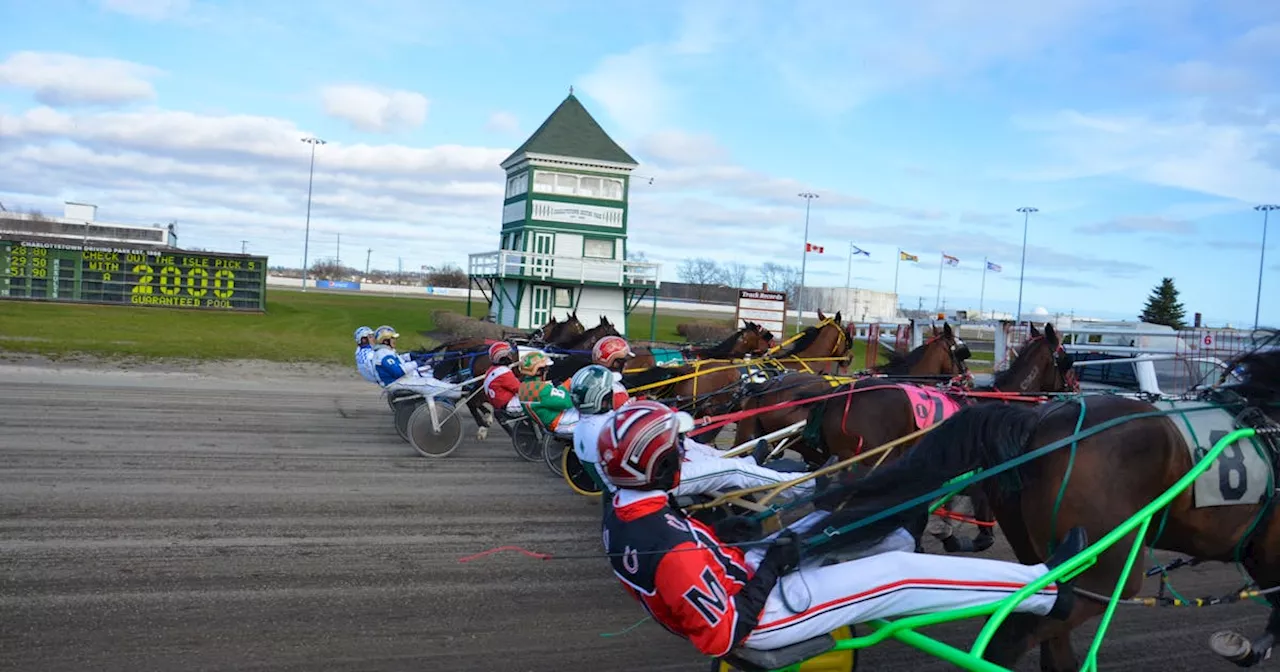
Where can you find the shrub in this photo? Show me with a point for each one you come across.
(699, 332)
(461, 326)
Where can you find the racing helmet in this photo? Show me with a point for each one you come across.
(532, 363)
(640, 447)
(500, 351)
(364, 332)
(591, 389)
(611, 350)
(384, 333)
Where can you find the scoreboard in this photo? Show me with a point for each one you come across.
(176, 279)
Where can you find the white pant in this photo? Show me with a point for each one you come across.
(700, 474)
(884, 585)
(568, 420)
(427, 386)
(514, 407)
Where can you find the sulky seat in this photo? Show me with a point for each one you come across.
(763, 660)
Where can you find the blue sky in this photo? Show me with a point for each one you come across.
(1144, 131)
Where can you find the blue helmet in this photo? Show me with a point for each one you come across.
(363, 332)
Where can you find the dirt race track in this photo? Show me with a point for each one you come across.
(216, 518)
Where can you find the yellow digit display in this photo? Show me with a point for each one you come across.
(172, 278)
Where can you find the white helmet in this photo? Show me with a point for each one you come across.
(363, 332)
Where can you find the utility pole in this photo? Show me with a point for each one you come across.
(808, 197)
(1026, 216)
(367, 256)
(337, 252)
(244, 245)
(1266, 211)
(306, 241)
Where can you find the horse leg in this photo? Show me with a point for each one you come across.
(983, 513)
(1263, 567)
(482, 412)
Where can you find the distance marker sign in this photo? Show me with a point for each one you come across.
(175, 279)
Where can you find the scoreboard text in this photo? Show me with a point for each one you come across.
(178, 279)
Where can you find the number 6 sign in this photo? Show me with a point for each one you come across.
(1208, 339)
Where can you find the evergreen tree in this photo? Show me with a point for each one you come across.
(1163, 306)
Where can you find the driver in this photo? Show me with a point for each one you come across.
(550, 403)
(501, 385)
(364, 354)
(719, 598)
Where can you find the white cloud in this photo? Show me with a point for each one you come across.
(152, 10)
(632, 89)
(59, 79)
(376, 110)
(503, 122)
(680, 148)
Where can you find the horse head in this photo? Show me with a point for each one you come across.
(1042, 365)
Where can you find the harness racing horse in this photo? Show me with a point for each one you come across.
(1128, 452)
(825, 345)
(942, 355)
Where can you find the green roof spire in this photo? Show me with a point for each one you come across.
(572, 132)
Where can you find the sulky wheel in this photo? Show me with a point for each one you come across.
(527, 441)
(403, 409)
(423, 435)
(551, 453)
(575, 474)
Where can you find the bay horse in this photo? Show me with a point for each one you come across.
(942, 355)
(822, 348)
(1129, 455)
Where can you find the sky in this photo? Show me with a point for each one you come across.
(1143, 131)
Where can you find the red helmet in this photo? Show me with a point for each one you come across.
(610, 350)
(640, 446)
(499, 350)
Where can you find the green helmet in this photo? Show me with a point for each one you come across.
(591, 389)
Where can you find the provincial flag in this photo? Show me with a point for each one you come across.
(993, 267)
(858, 250)
(907, 257)
(810, 247)
(950, 260)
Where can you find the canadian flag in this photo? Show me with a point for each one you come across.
(810, 247)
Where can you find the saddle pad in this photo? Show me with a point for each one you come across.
(1240, 475)
(929, 406)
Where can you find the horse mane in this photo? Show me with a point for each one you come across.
(807, 337)
(1259, 373)
(901, 364)
(1012, 371)
(723, 349)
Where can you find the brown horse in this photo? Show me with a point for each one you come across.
(942, 355)
(1126, 454)
(701, 388)
(823, 348)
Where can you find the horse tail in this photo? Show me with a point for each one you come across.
(977, 437)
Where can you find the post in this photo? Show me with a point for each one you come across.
(848, 272)
(937, 299)
(653, 317)
(896, 265)
(244, 244)
(367, 256)
(1262, 256)
(982, 294)
(306, 241)
(808, 199)
(1022, 269)
(337, 252)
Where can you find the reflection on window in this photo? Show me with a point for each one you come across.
(590, 186)
(545, 182)
(566, 184)
(518, 185)
(598, 248)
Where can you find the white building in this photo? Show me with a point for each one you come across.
(563, 245)
(78, 224)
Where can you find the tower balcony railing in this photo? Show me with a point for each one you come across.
(515, 264)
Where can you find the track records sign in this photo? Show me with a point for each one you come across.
(768, 309)
(176, 279)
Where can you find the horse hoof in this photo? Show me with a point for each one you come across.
(1236, 648)
(482, 433)
(954, 544)
(982, 542)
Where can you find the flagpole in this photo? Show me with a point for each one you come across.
(804, 260)
(937, 301)
(848, 273)
(897, 265)
(983, 294)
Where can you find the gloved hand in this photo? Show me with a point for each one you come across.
(737, 529)
(784, 553)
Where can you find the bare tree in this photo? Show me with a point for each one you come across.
(735, 274)
(701, 273)
(447, 275)
(780, 278)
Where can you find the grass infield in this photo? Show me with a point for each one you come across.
(297, 327)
